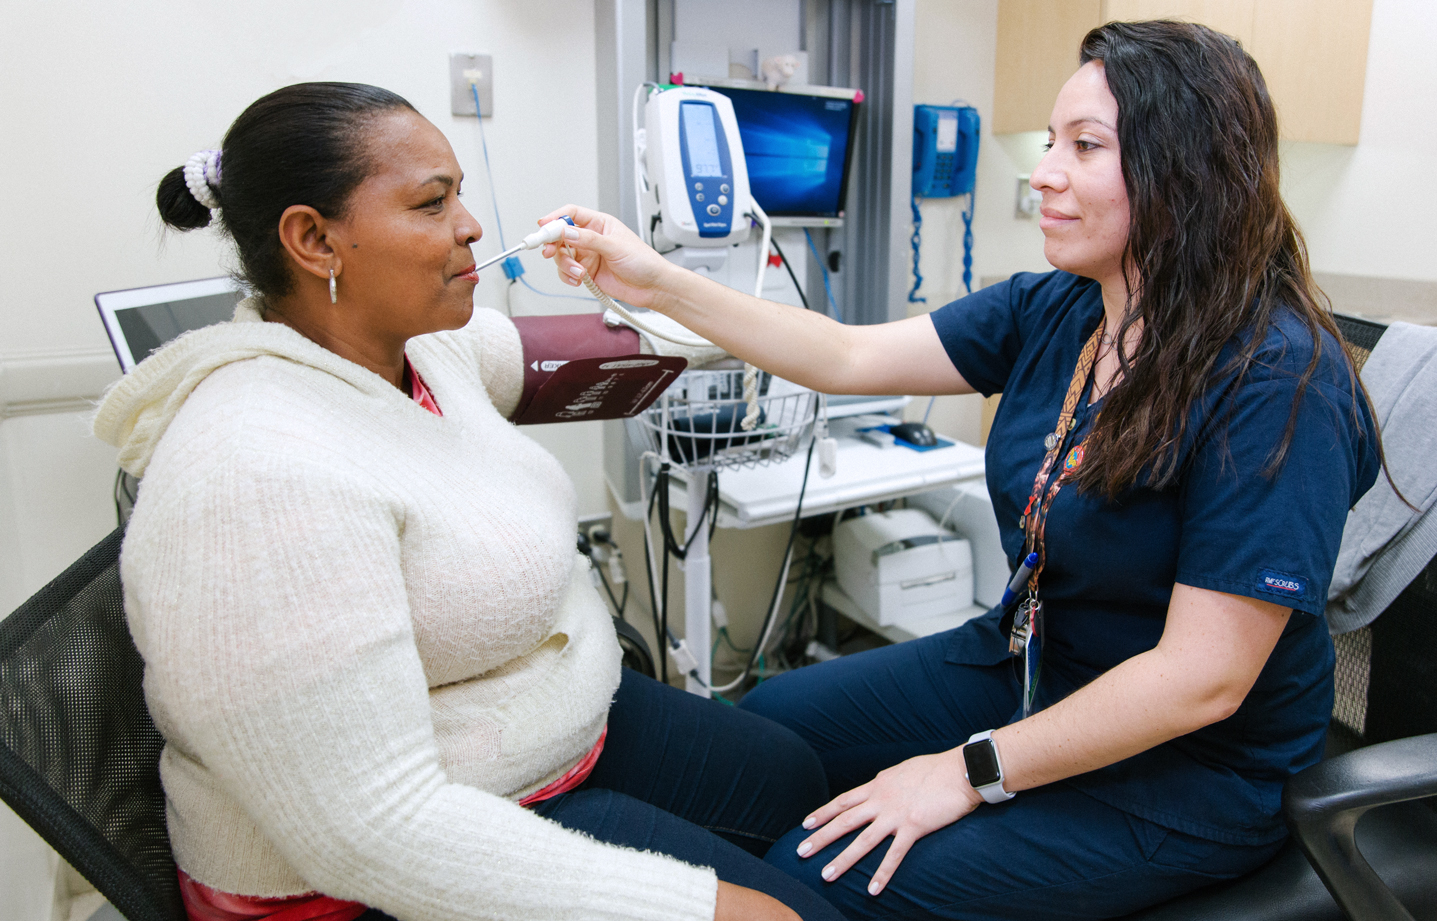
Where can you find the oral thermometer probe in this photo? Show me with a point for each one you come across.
(551, 232)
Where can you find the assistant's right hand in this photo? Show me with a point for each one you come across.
(622, 265)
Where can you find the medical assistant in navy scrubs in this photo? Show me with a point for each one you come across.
(1188, 811)
(1179, 440)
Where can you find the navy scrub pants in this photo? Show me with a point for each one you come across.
(1053, 852)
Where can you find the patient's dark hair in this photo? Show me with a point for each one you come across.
(300, 145)
(1212, 253)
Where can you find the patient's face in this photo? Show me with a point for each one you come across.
(404, 239)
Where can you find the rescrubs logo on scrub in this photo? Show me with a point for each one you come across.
(1281, 583)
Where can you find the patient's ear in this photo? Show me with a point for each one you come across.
(304, 233)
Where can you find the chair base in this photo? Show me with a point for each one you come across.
(1399, 841)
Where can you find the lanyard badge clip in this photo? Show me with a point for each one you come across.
(1022, 626)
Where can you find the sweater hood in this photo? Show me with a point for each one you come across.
(137, 409)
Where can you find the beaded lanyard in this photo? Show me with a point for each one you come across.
(1026, 635)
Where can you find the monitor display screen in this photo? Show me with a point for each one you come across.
(798, 149)
(701, 139)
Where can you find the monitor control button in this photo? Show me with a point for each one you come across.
(698, 186)
(723, 199)
(714, 210)
(724, 188)
(698, 196)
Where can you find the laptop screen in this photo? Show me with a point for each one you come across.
(141, 320)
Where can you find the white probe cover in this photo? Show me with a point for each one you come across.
(551, 232)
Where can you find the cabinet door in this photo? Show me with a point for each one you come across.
(1233, 17)
(1313, 54)
(1037, 53)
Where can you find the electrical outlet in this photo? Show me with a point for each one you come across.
(465, 69)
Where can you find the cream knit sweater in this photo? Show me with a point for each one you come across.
(366, 631)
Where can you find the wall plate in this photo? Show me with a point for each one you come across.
(1028, 201)
(461, 98)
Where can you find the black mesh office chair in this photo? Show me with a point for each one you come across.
(78, 753)
(1364, 807)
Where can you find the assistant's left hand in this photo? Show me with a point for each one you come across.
(907, 801)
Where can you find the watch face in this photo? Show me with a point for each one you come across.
(982, 763)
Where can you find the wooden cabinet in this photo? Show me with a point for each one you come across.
(1313, 54)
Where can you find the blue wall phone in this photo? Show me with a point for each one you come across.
(945, 150)
(945, 164)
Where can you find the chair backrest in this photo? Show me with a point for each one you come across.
(1359, 336)
(1387, 672)
(1354, 650)
(79, 754)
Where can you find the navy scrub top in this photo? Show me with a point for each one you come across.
(1222, 526)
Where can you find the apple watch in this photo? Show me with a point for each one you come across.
(985, 771)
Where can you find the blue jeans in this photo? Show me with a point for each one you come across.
(700, 781)
(1053, 852)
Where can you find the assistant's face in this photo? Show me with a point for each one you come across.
(404, 240)
(1085, 201)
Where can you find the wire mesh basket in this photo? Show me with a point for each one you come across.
(698, 421)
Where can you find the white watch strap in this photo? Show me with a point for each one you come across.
(991, 792)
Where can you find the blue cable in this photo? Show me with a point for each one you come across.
(916, 239)
(967, 243)
(967, 212)
(823, 267)
(513, 268)
(572, 297)
(483, 142)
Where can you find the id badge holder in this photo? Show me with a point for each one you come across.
(1032, 657)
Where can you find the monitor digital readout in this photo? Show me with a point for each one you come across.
(701, 139)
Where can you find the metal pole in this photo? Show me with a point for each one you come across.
(698, 581)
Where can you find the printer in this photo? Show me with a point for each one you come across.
(899, 565)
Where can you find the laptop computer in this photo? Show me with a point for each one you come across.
(140, 320)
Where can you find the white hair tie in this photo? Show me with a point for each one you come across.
(202, 176)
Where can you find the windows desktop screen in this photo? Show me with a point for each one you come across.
(797, 148)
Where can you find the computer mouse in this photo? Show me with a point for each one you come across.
(915, 433)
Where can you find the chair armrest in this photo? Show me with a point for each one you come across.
(1389, 772)
(1323, 803)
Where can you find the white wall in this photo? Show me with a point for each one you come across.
(1366, 210)
(99, 100)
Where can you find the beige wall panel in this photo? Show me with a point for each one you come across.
(1314, 56)
(1235, 17)
(1037, 53)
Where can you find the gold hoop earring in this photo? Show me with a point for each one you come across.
(333, 288)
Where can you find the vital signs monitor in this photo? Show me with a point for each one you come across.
(696, 168)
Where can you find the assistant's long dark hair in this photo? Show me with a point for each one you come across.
(1212, 251)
